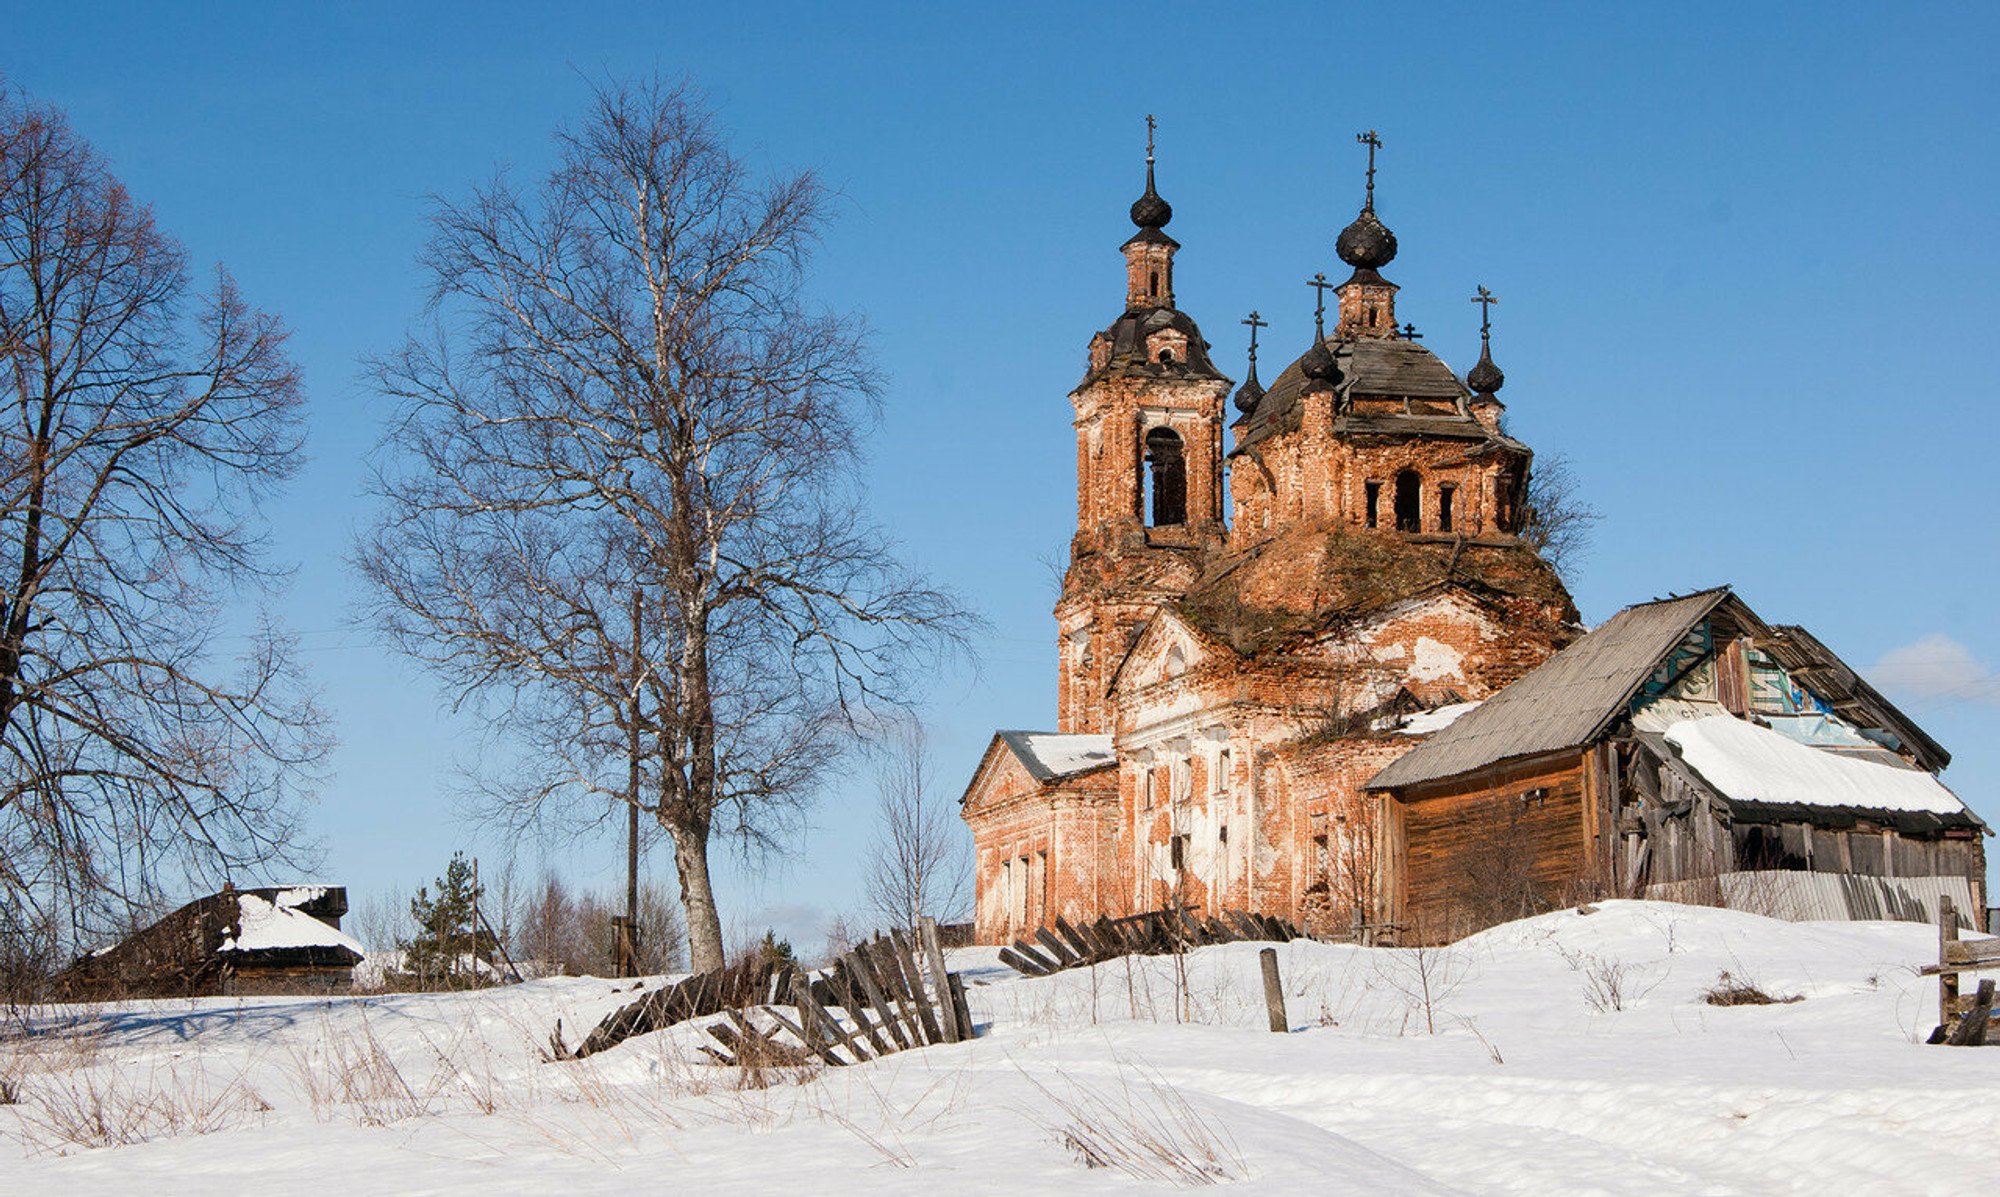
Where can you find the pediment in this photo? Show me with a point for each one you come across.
(1165, 649)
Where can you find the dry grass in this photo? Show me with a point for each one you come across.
(1736, 991)
(1147, 1130)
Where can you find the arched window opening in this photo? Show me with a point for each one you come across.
(1507, 492)
(1167, 478)
(1371, 317)
(1153, 284)
(1166, 357)
(1409, 502)
(1374, 491)
(1446, 493)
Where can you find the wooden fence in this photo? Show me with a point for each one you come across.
(1153, 933)
(888, 994)
(1962, 1021)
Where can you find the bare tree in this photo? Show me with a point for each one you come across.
(622, 507)
(147, 740)
(1555, 519)
(918, 862)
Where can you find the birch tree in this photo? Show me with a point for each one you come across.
(621, 502)
(149, 740)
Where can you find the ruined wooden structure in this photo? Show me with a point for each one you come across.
(1685, 750)
(272, 939)
(886, 995)
(889, 994)
(1152, 933)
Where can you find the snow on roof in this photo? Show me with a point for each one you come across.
(262, 926)
(1755, 764)
(1423, 723)
(1050, 755)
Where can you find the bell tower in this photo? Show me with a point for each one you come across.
(1148, 420)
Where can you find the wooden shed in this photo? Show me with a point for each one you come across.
(275, 939)
(1684, 750)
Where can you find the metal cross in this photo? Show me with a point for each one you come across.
(1410, 333)
(1255, 322)
(1318, 283)
(1485, 300)
(1374, 142)
(1150, 123)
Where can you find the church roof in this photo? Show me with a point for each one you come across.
(1296, 585)
(1051, 755)
(1129, 358)
(1373, 367)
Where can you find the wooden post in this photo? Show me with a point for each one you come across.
(1274, 992)
(1947, 933)
(940, 977)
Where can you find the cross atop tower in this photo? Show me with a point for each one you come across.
(1373, 141)
(1485, 299)
(1255, 322)
(1318, 283)
(1151, 124)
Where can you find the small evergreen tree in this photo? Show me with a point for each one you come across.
(441, 954)
(777, 952)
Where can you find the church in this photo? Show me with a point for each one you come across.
(1234, 685)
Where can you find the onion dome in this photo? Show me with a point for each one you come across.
(1149, 211)
(1321, 371)
(1367, 244)
(1485, 377)
(1250, 393)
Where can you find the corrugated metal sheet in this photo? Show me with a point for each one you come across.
(1562, 703)
(1831, 897)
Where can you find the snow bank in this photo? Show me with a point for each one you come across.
(1756, 764)
(1565, 1054)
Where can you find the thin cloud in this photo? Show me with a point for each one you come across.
(1937, 668)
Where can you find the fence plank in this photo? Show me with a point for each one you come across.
(940, 976)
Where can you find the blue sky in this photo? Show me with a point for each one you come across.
(1745, 257)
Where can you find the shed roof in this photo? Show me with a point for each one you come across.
(1562, 703)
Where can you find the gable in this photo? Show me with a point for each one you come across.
(1166, 648)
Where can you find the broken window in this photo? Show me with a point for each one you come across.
(1409, 502)
(1167, 479)
(1153, 283)
(1374, 491)
(1446, 492)
(1177, 852)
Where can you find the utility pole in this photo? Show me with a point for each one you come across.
(629, 954)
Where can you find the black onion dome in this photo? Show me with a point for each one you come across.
(1367, 244)
(1149, 211)
(1319, 367)
(1485, 377)
(1250, 393)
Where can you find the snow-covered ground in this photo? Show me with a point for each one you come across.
(1569, 1053)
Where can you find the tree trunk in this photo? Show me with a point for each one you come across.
(704, 925)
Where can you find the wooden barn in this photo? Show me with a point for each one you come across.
(1684, 750)
(277, 939)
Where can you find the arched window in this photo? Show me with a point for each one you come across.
(1167, 477)
(1153, 283)
(1409, 502)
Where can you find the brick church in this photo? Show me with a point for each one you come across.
(1228, 681)
(1362, 702)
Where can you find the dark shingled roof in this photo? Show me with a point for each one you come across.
(1562, 703)
(1373, 367)
(1128, 336)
